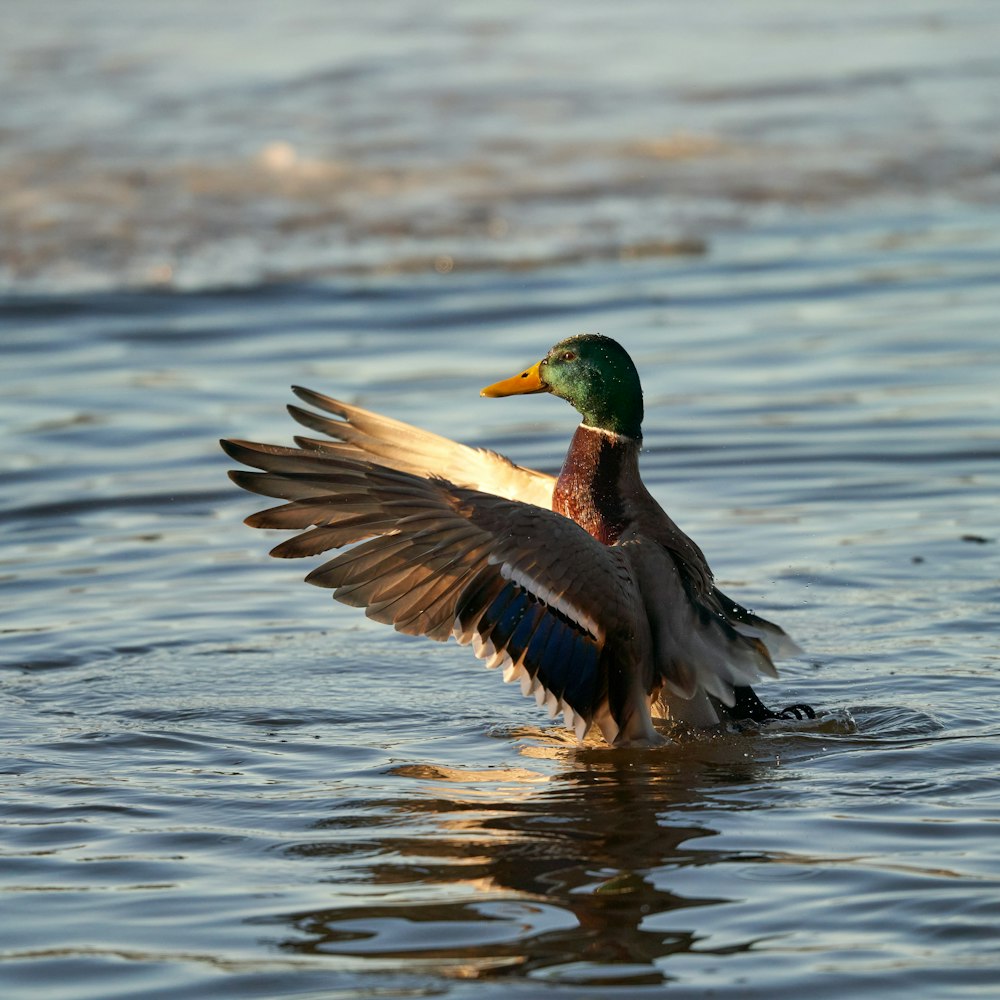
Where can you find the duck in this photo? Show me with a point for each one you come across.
(580, 587)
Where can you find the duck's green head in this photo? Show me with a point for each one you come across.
(592, 373)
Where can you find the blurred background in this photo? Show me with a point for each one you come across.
(215, 781)
(194, 145)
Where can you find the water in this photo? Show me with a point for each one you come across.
(218, 783)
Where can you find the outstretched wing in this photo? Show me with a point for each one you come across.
(529, 589)
(398, 445)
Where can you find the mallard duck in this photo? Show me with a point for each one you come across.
(580, 586)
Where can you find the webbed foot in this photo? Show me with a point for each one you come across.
(748, 707)
(797, 711)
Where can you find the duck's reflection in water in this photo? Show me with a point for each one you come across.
(552, 871)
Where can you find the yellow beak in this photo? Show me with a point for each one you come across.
(518, 385)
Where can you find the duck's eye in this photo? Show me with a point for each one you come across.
(567, 356)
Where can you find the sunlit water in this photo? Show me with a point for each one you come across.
(219, 783)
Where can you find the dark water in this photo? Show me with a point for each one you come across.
(216, 782)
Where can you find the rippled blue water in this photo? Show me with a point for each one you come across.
(218, 783)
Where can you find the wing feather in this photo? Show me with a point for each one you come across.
(529, 589)
(696, 651)
(398, 445)
(778, 642)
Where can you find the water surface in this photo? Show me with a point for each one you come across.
(218, 783)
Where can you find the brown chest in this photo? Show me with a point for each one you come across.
(589, 488)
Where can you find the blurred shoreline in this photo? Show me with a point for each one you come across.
(185, 148)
